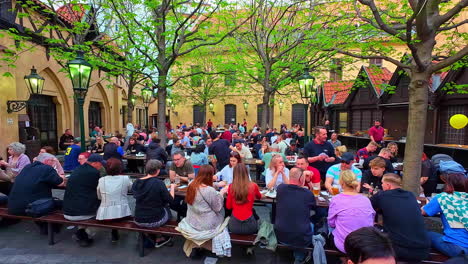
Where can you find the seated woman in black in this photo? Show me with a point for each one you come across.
(133, 148)
(152, 200)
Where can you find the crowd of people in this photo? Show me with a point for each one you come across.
(221, 189)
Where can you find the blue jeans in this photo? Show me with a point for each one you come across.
(447, 248)
(299, 254)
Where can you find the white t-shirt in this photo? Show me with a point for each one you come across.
(279, 180)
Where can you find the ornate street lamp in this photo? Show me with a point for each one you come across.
(146, 96)
(211, 108)
(133, 99)
(281, 106)
(246, 106)
(80, 75)
(35, 84)
(307, 89)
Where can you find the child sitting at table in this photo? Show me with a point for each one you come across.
(372, 179)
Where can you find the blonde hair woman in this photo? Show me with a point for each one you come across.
(340, 150)
(349, 210)
(277, 172)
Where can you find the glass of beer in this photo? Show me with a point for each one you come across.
(316, 191)
(335, 189)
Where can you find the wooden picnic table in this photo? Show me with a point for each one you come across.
(134, 157)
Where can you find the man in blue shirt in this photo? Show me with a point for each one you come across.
(452, 205)
(71, 155)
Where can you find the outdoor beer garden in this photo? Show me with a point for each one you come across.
(247, 131)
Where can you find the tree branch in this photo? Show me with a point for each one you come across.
(396, 62)
(451, 13)
(449, 61)
(453, 26)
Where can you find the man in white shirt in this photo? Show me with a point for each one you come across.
(243, 151)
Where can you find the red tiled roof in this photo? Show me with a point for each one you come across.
(336, 92)
(378, 76)
(71, 15)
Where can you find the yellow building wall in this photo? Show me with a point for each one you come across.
(57, 85)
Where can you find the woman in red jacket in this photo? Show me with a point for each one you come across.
(241, 196)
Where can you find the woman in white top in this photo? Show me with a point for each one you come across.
(277, 173)
(225, 175)
(112, 191)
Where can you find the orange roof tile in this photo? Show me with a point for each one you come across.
(336, 92)
(68, 13)
(378, 77)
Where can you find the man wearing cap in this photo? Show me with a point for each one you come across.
(333, 173)
(80, 201)
(292, 150)
(71, 155)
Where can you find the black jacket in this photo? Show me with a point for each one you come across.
(110, 151)
(155, 151)
(136, 148)
(81, 196)
(151, 197)
(34, 182)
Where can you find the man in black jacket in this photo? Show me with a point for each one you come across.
(402, 220)
(80, 201)
(155, 151)
(34, 182)
(113, 149)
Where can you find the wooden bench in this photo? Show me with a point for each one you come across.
(167, 229)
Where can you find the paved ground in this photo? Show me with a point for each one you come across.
(21, 243)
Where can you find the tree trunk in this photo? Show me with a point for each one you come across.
(417, 113)
(130, 106)
(265, 122)
(129, 113)
(162, 92)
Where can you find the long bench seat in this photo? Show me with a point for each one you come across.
(167, 229)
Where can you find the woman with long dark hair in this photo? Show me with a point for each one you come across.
(241, 196)
(225, 174)
(452, 204)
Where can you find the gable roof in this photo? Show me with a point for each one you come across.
(377, 76)
(334, 93)
(70, 13)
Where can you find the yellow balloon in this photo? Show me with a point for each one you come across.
(458, 121)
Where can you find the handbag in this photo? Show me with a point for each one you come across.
(41, 207)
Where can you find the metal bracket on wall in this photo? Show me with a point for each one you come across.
(15, 106)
